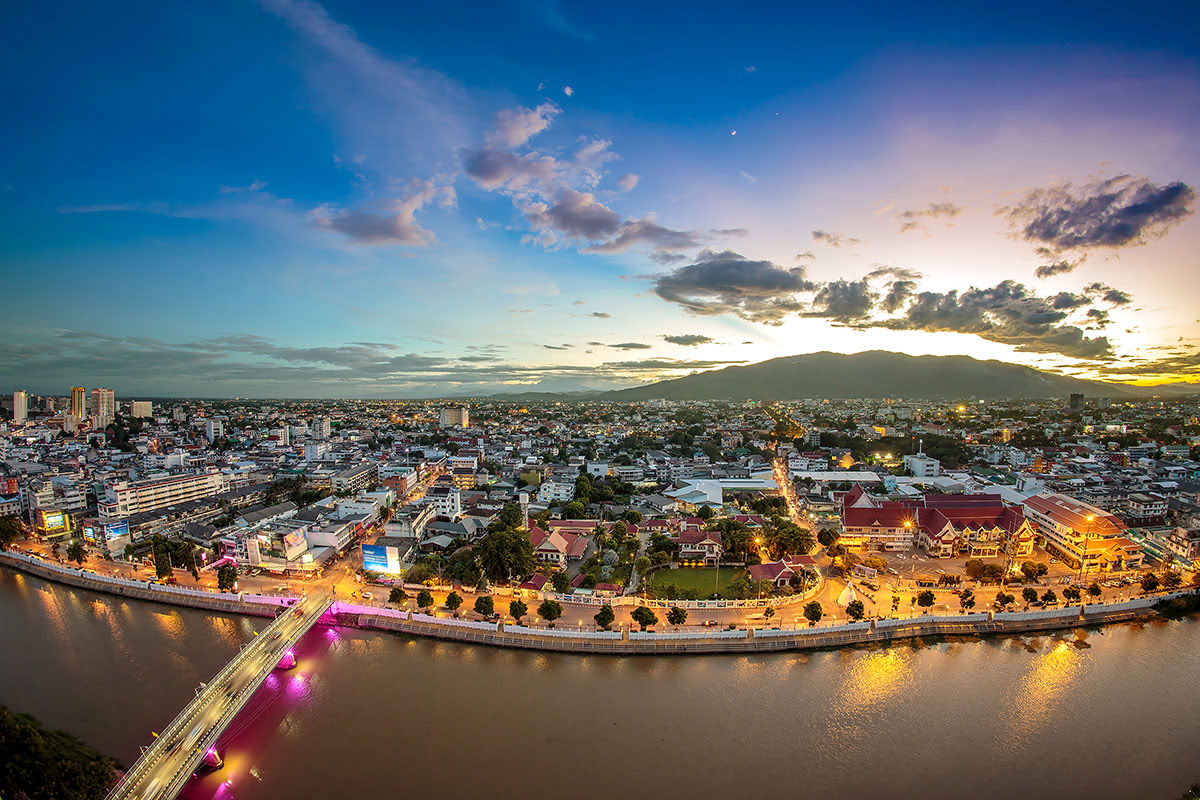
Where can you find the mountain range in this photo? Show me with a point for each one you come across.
(879, 373)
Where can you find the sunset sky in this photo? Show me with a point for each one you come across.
(360, 199)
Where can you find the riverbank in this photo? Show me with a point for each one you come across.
(619, 642)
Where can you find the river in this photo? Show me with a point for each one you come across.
(1111, 713)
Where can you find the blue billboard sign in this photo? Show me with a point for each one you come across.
(375, 557)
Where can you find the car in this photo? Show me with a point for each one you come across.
(710, 623)
(276, 635)
(368, 596)
(1054, 561)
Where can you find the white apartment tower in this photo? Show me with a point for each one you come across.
(104, 407)
(20, 405)
(454, 415)
(213, 429)
(320, 427)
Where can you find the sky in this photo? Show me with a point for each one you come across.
(286, 198)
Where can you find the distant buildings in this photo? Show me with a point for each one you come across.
(78, 402)
(124, 498)
(1086, 537)
(141, 408)
(213, 430)
(104, 408)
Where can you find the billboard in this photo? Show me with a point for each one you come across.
(293, 539)
(379, 558)
(89, 533)
(114, 529)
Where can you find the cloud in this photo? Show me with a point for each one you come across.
(568, 91)
(600, 314)
(254, 186)
(397, 225)
(630, 346)
(627, 182)
(1007, 313)
(514, 127)
(1108, 294)
(1056, 268)
(1115, 212)
(842, 300)
(557, 346)
(746, 176)
(497, 169)
(688, 339)
(898, 292)
(915, 218)
(806, 255)
(834, 239)
(900, 273)
(729, 283)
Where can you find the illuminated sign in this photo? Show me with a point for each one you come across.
(293, 539)
(378, 558)
(116, 529)
(89, 533)
(49, 521)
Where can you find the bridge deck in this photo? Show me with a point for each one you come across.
(169, 762)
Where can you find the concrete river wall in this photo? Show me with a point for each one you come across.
(625, 642)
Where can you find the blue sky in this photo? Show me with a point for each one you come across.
(285, 198)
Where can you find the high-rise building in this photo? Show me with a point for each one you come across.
(320, 427)
(20, 405)
(78, 401)
(1075, 402)
(141, 408)
(104, 407)
(213, 429)
(454, 415)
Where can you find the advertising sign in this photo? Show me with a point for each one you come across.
(89, 533)
(378, 558)
(114, 529)
(293, 539)
(50, 521)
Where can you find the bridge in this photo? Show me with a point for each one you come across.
(167, 764)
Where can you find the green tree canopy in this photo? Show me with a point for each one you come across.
(644, 617)
(605, 616)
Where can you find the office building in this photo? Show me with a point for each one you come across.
(78, 402)
(213, 429)
(141, 408)
(320, 427)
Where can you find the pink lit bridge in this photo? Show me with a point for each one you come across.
(190, 739)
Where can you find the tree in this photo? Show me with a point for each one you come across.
(56, 549)
(677, 616)
(1072, 594)
(425, 600)
(505, 555)
(226, 577)
(1003, 599)
(1049, 598)
(485, 606)
(644, 617)
(517, 609)
(895, 603)
(397, 595)
(856, 610)
(642, 564)
(769, 612)
(454, 601)
(10, 529)
(560, 582)
(983, 571)
(826, 537)
(925, 599)
(162, 561)
(1029, 594)
(705, 513)
(1171, 579)
(1094, 590)
(76, 552)
(632, 516)
(966, 599)
(813, 612)
(1149, 582)
(550, 610)
(573, 510)
(605, 616)
(1033, 570)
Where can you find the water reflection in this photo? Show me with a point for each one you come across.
(1051, 673)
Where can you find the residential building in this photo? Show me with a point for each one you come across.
(141, 408)
(356, 478)
(454, 416)
(213, 429)
(320, 427)
(556, 547)
(700, 546)
(124, 498)
(554, 492)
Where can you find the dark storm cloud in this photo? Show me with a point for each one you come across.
(915, 218)
(688, 339)
(898, 292)
(729, 283)
(1115, 212)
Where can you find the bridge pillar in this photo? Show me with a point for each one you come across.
(212, 759)
(288, 661)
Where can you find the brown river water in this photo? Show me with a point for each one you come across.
(1102, 713)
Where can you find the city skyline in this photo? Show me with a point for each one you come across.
(310, 200)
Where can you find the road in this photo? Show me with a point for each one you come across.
(176, 753)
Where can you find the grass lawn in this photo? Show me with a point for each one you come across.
(700, 579)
